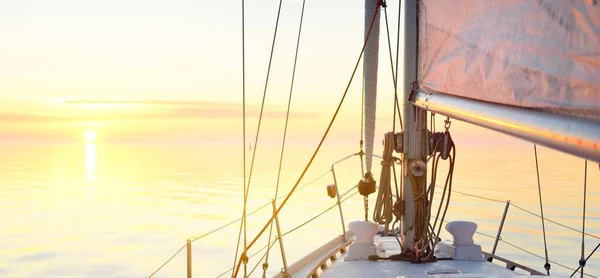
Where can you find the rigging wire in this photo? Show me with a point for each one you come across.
(397, 63)
(247, 187)
(243, 127)
(547, 265)
(538, 256)
(233, 222)
(269, 245)
(318, 146)
(549, 220)
(251, 256)
(287, 116)
(587, 258)
(582, 261)
(295, 228)
(396, 107)
(398, 195)
(163, 265)
(394, 76)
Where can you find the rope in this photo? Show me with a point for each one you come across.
(316, 150)
(420, 213)
(287, 116)
(447, 188)
(583, 261)
(547, 265)
(383, 210)
(243, 123)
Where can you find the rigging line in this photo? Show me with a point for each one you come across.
(178, 251)
(540, 257)
(294, 229)
(397, 55)
(582, 261)
(229, 224)
(256, 210)
(317, 216)
(232, 222)
(251, 256)
(318, 146)
(287, 116)
(475, 196)
(400, 115)
(261, 258)
(243, 122)
(257, 134)
(396, 106)
(587, 258)
(537, 169)
(553, 222)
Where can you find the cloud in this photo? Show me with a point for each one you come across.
(136, 110)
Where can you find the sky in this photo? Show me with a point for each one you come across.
(139, 69)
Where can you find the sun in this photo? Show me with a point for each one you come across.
(90, 136)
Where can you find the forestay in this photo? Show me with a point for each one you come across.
(541, 54)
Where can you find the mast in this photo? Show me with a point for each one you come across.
(415, 120)
(370, 64)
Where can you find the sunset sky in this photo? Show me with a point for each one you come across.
(138, 69)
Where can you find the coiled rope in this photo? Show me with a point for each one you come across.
(383, 211)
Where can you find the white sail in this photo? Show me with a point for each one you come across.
(371, 57)
(541, 54)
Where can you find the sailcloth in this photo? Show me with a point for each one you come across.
(371, 57)
(541, 54)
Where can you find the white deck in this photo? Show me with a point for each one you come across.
(342, 268)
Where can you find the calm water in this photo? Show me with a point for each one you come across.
(121, 210)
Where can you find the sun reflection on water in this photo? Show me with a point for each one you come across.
(90, 165)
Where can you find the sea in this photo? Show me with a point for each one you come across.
(123, 209)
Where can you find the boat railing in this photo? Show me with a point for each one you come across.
(349, 193)
(498, 237)
(341, 198)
